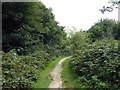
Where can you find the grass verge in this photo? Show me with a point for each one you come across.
(69, 78)
(45, 77)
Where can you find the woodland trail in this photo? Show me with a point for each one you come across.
(56, 75)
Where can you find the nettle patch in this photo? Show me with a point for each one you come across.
(98, 64)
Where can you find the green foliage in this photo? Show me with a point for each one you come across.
(69, 77)
(116, 31)
(28, 26)
(96, 55)
(104, 29)
(98, 64)
(22, 71)
(78, 40)
(31, 37)
(45, 77)
(30, 29)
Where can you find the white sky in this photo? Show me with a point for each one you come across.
(81, 14)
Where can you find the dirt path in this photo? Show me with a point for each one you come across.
(56, 75)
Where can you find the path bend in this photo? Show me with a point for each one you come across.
(56, 75)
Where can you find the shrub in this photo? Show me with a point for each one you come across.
(21, 71)
(98, 64)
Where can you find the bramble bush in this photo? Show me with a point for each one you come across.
(98, 65)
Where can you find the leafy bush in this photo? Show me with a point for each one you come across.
(105, 28)
(78, 40)
(55, 51)
(98, 64)
(21, 71)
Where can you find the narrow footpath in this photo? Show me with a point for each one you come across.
(56, 75)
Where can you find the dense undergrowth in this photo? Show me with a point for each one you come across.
(96, 55)
(32, 38)
(21, 71)
(98, 64)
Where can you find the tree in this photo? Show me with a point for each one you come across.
(78, 40)
(103, 29)
(114, 4)
(27, 25)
